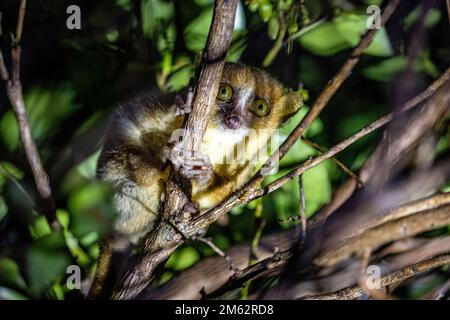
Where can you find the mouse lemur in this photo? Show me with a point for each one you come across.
(134, 160)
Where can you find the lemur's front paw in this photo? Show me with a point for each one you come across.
(190, 210)
(184, 107)
(192, 166)
(187, 213)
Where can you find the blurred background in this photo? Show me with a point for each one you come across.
(73, 80)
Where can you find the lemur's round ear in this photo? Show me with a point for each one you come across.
(292, 103)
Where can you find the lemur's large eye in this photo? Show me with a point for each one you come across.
(225, 92)
(260, 107)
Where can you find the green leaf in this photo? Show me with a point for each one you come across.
(88, 167)
(314, 129)
(180, 78)
(196, 32)
(89, 239)
(3, 208)
(7, 169)
(71, 241)
(317, 186)
(273, 28)
(433, 17)
(9, 132)
(45, 109)
(153, 13)
(40, 227)
(344, 32)
(204, 3)
(183, 259)
(386, 70)
(373, 2)
(237, 47)
(165, 277)
(77, 252)
(63, 218)
(380, 46)
(58, 291)
(352, 26)
(112, 35)
(46, 261)
(10, 274)
(324, 40)
(265, 11)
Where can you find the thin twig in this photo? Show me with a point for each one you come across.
(3, 70)
(335, 160)
(409, 209)
(219, 251)
(254, 246)
(305, 30)
(254, 271)
(15, 95)
(363, 280)
(437, 293)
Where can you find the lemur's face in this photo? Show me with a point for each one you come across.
(251, 98)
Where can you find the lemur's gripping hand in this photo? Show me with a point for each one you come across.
(191, 165)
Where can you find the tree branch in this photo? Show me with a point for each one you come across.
(168, 235)
(383, 234)
(335, 160)
(390, 279)
(374, 238)
(15, 95)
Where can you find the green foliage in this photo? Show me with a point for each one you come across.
(386, 70)
(182, 259)
(45, 109)
(344, 32)
(46, 262)
(10, 274)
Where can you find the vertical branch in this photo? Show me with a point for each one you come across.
(163, 241)
(212, 63)
(15, 95)
(20, 19)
